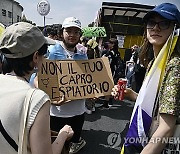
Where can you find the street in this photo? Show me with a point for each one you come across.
(104, 130)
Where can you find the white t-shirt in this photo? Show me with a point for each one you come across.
(76, 107)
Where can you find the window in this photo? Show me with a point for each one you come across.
(9, 14)
(3, 12)
(18, 18)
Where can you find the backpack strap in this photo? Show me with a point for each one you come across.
(24, 116)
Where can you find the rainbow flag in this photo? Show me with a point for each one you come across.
(137, 135)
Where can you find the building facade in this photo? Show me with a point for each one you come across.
(10, 12)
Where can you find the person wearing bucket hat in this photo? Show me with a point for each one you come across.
(23, 46)
(71, 113)
(155, 118)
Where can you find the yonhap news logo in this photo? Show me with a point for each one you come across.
(145, 140)
(114, 140)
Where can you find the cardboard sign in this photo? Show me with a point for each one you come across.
(76, 79)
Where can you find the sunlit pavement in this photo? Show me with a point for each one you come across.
(105, 129)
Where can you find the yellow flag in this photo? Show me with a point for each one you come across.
(2, 29)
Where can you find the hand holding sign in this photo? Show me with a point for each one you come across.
(60, 102)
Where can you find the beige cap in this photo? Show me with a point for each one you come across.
(22, 39)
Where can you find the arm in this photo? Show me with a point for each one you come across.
(168, 106)
(130, 94)
(65, 134)
(40, 134)
(165, 129)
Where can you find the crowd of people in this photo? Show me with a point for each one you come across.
(24, 46)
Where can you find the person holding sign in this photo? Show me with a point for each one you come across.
(24, 46)
(71, 113)
(154, 124)
(92, 49)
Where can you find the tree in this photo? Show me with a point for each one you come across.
(24, 19)
(91, 24)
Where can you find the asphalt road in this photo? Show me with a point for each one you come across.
(104, 130)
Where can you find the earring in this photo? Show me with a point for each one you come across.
(35, 69)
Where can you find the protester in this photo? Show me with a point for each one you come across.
(84, 40)
(51, 32)
(135, 71)
(71, 113)
(158, 100)
(23, 46)
(130, 65)
(105, 50)
(117, 68)
(92, 53)
(113, 54)
(92, 49)
(139, 69)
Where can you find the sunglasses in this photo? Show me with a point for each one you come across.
(163, 25)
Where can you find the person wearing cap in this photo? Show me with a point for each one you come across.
(71, 113)
(160, 27)
(23, 46)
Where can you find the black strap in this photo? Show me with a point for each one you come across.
(8, 138)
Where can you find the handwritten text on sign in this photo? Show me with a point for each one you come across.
(76, 79)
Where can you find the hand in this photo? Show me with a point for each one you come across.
(114, 92)
(68, 131)
(128, 93)
(60, 102)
